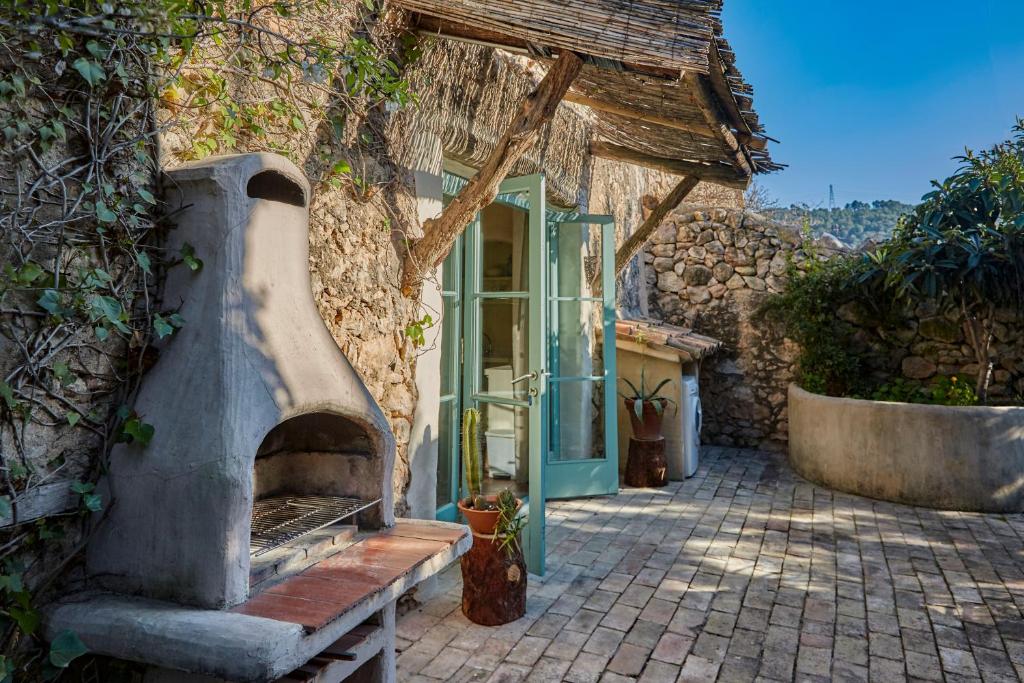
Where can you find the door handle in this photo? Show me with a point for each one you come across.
(531, 376)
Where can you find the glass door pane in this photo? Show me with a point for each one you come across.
(505, 346)
(449, 475)
(582, 457)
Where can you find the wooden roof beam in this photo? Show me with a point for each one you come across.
(632, 246)
(637, 115)
(720, 174)
(700, 90)
(439, 234)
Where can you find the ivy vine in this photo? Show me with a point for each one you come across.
(88, 92)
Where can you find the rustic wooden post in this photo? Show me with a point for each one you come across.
(493, 583)
(439, 233)
(632, 246)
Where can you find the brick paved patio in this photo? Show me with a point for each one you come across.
(745, 572)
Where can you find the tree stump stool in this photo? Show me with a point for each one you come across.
(493, 584)
(646, 465)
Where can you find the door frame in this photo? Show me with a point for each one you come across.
(592, 476)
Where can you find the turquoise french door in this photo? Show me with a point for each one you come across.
(526, 293)
(582, 456)
(504, 346)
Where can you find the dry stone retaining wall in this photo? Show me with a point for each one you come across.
(711, 269)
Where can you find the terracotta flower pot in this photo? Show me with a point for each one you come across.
(483, 521)
(647, 428)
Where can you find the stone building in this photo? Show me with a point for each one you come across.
(512, 321)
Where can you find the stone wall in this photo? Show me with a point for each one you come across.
(712, 268)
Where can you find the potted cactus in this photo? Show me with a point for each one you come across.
(482, 513)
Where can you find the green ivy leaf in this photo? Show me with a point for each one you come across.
(63, 374)
(142, 258)
(81, 487)
(29, 273)
(7, 394)
(104, 214)
(110, 309)
(11, 583)
(162, 327)
(93, 502)
(73, 418)
(26, 618)
(146, 195)
(5, 509)
(137, 431)
(65, 648)
(92, 72)
(50, 302)
(101, 332)
(188, 255)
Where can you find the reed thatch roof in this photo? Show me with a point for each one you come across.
(659, 77)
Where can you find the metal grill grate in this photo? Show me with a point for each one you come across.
(281, 519)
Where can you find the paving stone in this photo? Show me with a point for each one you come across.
(673, 648)
(548, 670)
(629, 660)
(659, 672)
(604, 641)
(446, 664)
(645, 634)
(528, 650)
(566, 645)
(621, 617)
(587, 668)
(698, 670)
(745, 572)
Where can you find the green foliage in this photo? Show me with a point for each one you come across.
(943, 391)
(853, 224)
(510, 523)
(79, 262)
(471, 451)
(641, 395)
(415, 330)
(964, 246)
(828, 362)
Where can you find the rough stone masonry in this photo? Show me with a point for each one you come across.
(712, 269)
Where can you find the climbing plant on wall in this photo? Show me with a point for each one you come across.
(87, 91)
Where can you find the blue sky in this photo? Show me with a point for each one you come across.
(876, 96)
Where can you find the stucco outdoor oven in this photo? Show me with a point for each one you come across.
(255, 535)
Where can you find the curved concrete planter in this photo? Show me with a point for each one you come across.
(951, 458)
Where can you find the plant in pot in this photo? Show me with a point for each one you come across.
(646, 409)
(482, 513)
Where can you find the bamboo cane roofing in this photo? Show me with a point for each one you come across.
(660, 79)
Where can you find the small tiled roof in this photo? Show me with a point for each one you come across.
(660, 335)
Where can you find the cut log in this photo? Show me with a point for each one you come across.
(646, 466)
(703, 96)
(718, 173)
(439, 234)
(632, 246)
(493, 583)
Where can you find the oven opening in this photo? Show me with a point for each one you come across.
(316, 484)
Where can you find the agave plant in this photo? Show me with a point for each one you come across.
(641, 395)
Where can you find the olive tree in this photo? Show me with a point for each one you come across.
(963, 247)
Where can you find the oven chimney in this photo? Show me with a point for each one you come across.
(254, 371)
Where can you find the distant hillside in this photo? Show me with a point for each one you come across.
(853, 223)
